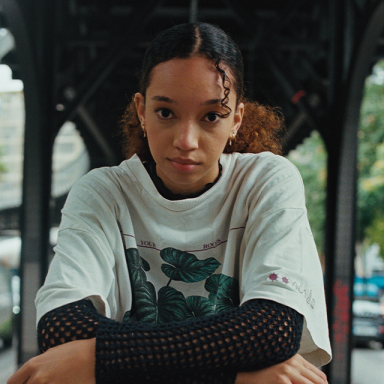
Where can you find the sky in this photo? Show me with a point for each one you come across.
(7, 84)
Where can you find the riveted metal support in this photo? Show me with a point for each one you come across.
(341, 196)
(37, 173)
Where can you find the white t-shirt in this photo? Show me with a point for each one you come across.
(139, 256)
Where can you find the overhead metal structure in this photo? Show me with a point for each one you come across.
(78, 60)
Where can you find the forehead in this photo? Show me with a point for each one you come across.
(196, 74)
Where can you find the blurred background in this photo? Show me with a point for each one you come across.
(67, 70)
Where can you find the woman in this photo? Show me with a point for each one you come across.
(184, 263)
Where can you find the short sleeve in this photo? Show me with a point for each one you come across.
(84, 265)
(280, 261)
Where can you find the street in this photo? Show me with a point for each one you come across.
(7, 364)
(367, 365)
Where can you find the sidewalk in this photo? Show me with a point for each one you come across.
(7, 363)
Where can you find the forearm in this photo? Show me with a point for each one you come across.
(74, 321)
(256, 335)
(79, 320)
(253, 336)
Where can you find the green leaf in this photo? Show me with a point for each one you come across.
(136, 267)
(199, 306)
(145, 303)
(224, 304)
(145, 264)
(223, 292)
(172, 305)
(126, 317)
(185, 266)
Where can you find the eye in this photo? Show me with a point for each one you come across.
(212, 117)
(164, 113)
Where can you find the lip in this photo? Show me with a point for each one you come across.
(183, 164)
(183, 160)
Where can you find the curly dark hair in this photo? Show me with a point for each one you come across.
(261, 127)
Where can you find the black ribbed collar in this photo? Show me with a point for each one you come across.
(150, 166)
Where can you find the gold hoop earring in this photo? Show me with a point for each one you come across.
(144, 133)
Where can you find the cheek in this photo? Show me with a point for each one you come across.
(222, 135)
(215, 146)
(158, 142)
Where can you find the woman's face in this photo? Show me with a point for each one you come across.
(184, 122)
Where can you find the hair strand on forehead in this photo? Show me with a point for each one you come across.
(227, 88)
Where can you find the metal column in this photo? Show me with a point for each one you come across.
(34, 222)
(341, 195)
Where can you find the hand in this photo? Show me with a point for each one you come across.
(296, 370)
(70, 363)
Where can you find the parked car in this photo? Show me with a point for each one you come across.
(368, 321)
(6, 307)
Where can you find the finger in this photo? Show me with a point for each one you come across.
(308, 370)
(314, 374)
(311, 368)
(21, 376)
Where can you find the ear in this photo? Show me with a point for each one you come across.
(140, 107)
(238, 118)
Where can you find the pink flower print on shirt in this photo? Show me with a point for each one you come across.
(273, 277)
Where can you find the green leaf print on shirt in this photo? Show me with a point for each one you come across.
(126, 316)
(199, 306)
(136, 267)
(171, 305)
(185, 266)
(223, 292)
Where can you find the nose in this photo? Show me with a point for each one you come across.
(186, 137)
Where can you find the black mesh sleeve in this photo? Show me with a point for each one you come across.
(211, 350)
(74, 321)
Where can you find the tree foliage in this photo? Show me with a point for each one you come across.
(371, 161)
(310, 158)
(2, 166)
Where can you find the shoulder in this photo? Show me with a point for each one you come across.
(106, 186)
(262, 167)
(269, 178)
(105, 178)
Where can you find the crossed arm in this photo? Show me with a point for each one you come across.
(252, 337)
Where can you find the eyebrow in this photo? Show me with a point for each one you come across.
(168, 100)
(211, 102)
(164, 98)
